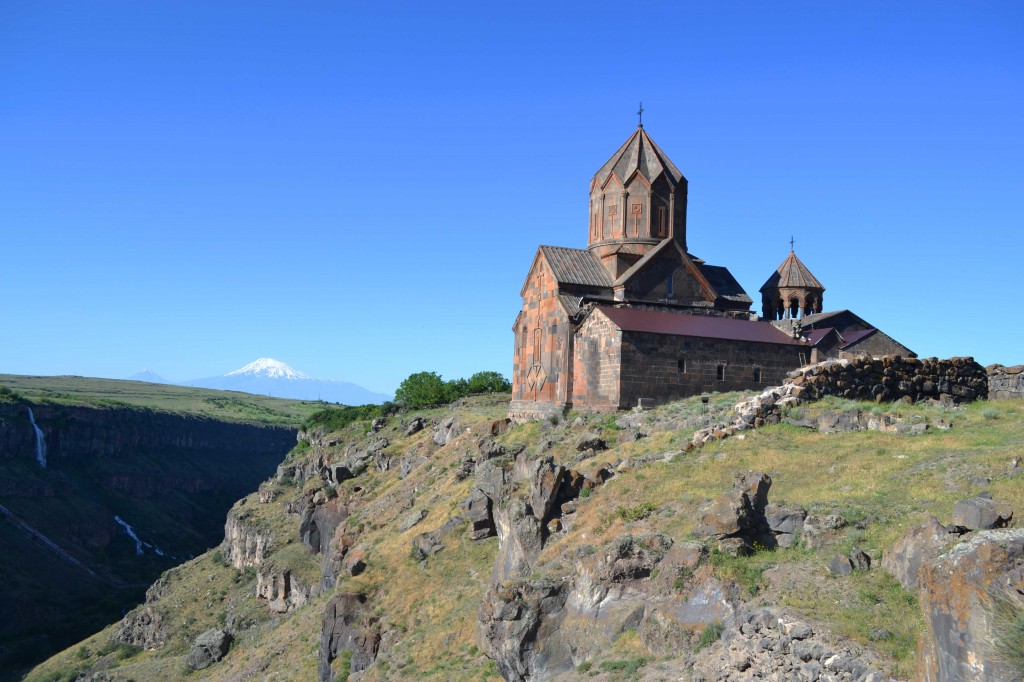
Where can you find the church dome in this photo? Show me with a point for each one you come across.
(791, 291)
(637, 200)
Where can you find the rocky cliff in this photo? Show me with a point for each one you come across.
(451, 544)
(97, 502)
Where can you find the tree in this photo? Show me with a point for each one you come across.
(488, 382)
(421, 389)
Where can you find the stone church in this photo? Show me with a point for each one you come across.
(635, 319)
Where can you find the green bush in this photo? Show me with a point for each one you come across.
(710, 634)
(628, 666)
(336, 418)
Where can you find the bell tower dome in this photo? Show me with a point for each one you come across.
(791, 292)
(637, 200)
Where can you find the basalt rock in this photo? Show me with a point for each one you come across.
(962, 642)
(981, 513)
(737, 519)
(208, 648)
(519, 628)
(347, 627)
(919, 546)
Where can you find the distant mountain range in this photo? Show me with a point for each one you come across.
(267, 376)
(149, 376)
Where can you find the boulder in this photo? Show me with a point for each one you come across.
(840, 565)
(917, 547)
(981, 513)
(591, 441)
(546, 482)
(860, 560)
(446, 431)
(426, 545)
(739, 516)
(208, 648)
(962, 641)
(478, 510)
(411, 519)
(414, 425)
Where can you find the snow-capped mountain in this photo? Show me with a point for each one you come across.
(148, 375)
(269, 368)
(267, 376)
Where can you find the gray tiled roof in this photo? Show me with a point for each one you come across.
(792, 274)
(724, 284)
(639, 153)
(576, 266)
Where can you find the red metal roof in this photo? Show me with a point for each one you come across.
(850, 338)
(704, 326)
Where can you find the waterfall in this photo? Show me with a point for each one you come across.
(40, 440)
(131, 533)
(139, 544)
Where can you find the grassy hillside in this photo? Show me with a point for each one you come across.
(880, 482)
(220, 405)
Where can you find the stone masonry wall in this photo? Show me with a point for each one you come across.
(893, 378)
(596, 365)
(659, 368)
(542, 329)
(1005, 382)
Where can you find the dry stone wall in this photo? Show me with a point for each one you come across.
(1005, 382)
(893, 377)
(881, 379)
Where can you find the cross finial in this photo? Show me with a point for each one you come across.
(791, 241)
(641, 115)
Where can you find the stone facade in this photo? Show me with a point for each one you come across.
(572, 349)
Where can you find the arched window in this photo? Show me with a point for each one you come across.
(681, 364)
(794, 308)
(720, 372)
(536, 345)
(757, 375)
(670, 287)
(661, 227)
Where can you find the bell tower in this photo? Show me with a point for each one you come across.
(792, 291)
(637, 200)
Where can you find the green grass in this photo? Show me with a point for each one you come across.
(221, 405)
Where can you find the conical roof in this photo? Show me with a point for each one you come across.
(639, 153)
(792, 274)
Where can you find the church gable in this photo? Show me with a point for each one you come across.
(666, 278)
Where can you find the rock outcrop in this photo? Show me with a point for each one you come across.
(918, 547)
(957, 590)
(737, 519)
(347, 626)
(768, 644)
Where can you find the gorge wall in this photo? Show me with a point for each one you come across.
(125, 493)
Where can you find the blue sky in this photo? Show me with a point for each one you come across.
(358, 189)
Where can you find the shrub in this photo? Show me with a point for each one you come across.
(990, 413)
(710, 634)
(635, 513)
(335, 418)
(628, 666)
